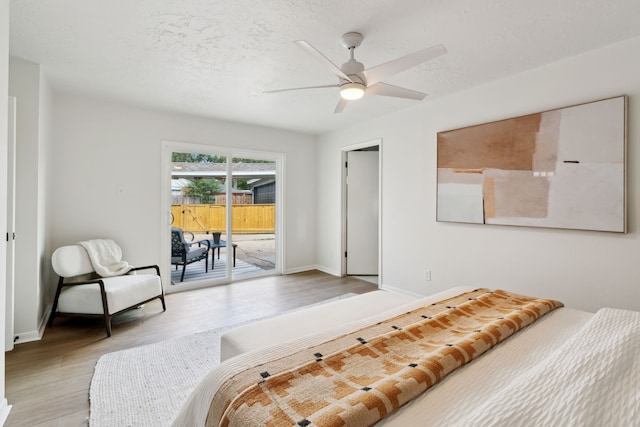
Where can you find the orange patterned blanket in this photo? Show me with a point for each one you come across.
(358, 378)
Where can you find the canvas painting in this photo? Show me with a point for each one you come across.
(562, 168)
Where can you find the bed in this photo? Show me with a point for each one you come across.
(567, 368)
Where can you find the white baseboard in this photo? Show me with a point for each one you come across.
(30, 336)
(24, 337)
(328, 270)
(300, 269)
(400, 291)
(5, 408)
(312, 267)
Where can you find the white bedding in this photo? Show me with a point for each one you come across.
(592, 379)
(537, 373)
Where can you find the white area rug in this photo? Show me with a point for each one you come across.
(147, 386)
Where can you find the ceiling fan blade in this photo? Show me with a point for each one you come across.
(384, 89)
(300, 88)
(380, 72)
(322, 59)
(340, 106)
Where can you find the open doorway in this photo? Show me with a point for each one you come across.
(361, 211)
(224, 215)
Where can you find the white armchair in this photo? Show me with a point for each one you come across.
(82, 293)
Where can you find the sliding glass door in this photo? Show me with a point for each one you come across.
(224, 215)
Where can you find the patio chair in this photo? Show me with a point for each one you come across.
(184, 253)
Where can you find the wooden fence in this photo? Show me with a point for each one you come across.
(246, 219)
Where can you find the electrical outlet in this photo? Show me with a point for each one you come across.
(427, 275)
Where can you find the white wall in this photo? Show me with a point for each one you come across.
(586, 270)
(4, 83)
(99, 145)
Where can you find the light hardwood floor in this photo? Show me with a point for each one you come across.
(47, 381)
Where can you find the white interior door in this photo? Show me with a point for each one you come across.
(362, 212)
(11, 222)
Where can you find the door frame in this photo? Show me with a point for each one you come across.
(11, 225)
(168, 147)
(343, 231)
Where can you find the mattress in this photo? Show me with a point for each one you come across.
(286, 327)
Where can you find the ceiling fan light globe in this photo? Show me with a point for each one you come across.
(351, 91)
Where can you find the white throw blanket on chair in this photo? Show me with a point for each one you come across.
(106, 257)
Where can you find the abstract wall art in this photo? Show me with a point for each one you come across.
(562, 168)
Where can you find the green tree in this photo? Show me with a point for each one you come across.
(197, 158)
(241, 160)
(204, 188)
(242, 184)
(207, 158)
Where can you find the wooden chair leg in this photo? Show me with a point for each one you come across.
(107, 323)
(105, 309)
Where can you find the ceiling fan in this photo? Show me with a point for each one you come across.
(354, 81)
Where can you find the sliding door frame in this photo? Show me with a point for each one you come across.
(169, 147)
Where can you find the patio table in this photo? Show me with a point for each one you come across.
(221, 244)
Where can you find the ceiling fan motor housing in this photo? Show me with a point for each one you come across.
(351, 40)
(353, 69)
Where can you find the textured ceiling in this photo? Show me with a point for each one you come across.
(215, 58)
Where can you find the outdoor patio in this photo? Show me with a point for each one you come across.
(254, 253)
(196, 271)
